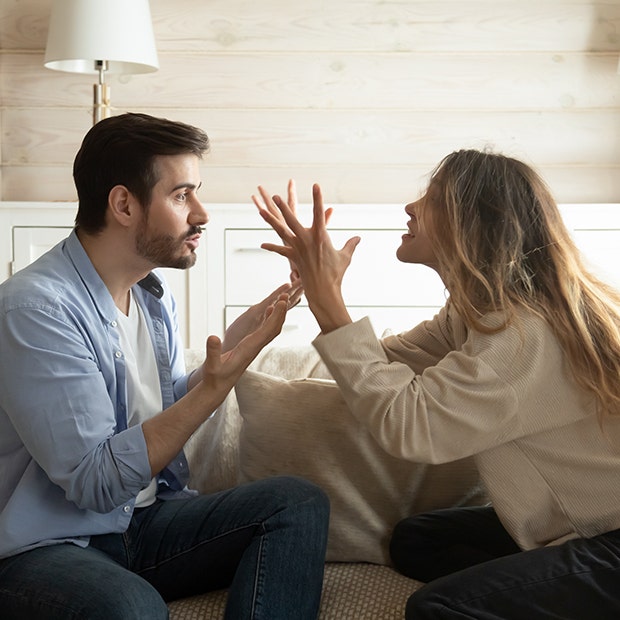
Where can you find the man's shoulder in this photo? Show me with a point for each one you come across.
(47, 280)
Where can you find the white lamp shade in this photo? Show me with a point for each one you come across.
(117, 31)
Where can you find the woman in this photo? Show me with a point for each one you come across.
(521, 369)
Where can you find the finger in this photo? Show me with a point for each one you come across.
(282, 250)
(275, 315)
(328, 214)
(285, 288)
(267, 203)
(277, 223)
(350, 245)
(286, 224)
(214, 353)
(295, 297)
(289, 215)
(292, 195)
(318, 212)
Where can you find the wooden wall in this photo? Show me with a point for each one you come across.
(364, 96)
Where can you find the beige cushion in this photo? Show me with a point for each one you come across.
(303, 427)
(213, 450)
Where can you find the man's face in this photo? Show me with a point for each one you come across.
(169, 231)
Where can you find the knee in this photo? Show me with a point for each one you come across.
(302, 506)
(302, 493)
(405, 547)
(423, 605)
(397, 553)
(137, 600)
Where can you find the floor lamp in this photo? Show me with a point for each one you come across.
(101, 37)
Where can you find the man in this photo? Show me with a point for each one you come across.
(96, 520)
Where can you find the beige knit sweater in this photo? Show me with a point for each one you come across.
(441, 392)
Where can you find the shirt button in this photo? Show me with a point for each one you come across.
(126, 508)
(113, 323)
(118, 354)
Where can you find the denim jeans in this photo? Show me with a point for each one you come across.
(265, 541)
(476, 571)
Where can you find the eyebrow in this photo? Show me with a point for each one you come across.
(190, 186)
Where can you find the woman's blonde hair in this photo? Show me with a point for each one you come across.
(501, 244)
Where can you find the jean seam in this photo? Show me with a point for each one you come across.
(196, 546)
(259, 573)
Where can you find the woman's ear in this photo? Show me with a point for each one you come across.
(121, 205)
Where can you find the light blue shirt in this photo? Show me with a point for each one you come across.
(69, 465)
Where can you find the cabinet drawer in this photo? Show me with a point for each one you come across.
(375, 278)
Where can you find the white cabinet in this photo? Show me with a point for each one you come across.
(232, 271)
(392, 294)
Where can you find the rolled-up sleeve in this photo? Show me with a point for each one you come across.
(61, 403)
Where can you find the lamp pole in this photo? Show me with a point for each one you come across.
(101, 100)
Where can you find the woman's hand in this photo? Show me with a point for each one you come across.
(291, 202)
(320, 266)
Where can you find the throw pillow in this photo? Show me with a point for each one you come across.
(303, 427)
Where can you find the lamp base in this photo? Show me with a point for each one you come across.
(101, 102)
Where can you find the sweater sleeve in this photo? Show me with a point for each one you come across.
(469, 397)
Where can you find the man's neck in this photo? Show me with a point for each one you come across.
(118, 267)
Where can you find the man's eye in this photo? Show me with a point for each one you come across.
(182, 197)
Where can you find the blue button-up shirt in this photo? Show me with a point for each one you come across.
(69, 465)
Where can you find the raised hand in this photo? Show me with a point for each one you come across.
(222, 368)
(320, 266)
(254, 316)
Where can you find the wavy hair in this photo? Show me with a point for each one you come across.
(502, 245)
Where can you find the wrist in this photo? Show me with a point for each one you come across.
(330, 310)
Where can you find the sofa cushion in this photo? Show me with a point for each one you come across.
(350, 592)
(303, 427)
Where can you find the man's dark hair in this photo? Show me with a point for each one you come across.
(121, 150)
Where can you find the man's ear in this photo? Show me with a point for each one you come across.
(122, 205)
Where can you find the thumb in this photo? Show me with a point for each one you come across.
(350, 245)
(213, 351)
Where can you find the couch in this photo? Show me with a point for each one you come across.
(286, 416)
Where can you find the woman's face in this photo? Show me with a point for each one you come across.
(416, 245)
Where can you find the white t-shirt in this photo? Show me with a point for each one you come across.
(143, 388)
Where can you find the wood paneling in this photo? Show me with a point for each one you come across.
(331, 80)
(354, 25)
(364, 96)
(351, 184)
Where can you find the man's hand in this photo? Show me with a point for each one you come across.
(222, 368)
(255, 315)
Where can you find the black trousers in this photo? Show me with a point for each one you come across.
(473, 569)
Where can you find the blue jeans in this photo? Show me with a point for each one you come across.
(265, 541)
(476, 570)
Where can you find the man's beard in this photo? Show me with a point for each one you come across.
(161, 250)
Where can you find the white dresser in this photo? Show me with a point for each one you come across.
(232, 271)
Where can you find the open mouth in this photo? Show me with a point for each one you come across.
(193, 241)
